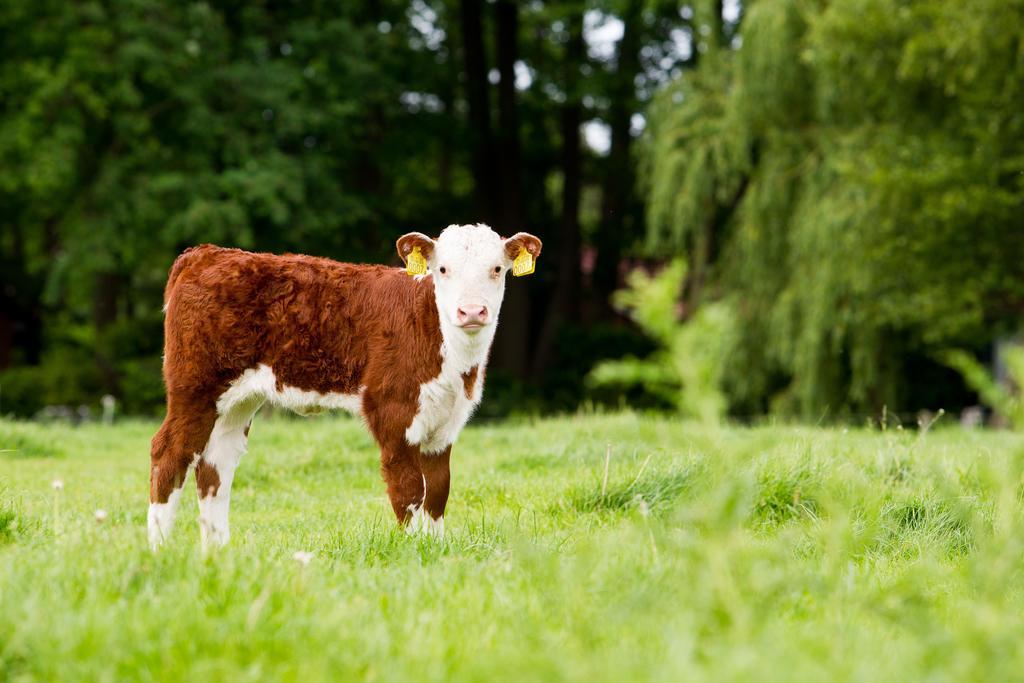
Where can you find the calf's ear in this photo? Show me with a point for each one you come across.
(409, 241)
(522, 240)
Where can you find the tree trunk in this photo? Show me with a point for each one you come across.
(477, 94)
(718, 24)
(565, 301)
(12, 262)
(511, 348)
(447, 138)
(618, 201)
(369, 177)
(106, 294)
(6, 339)
(707, 247)
(107, 289)
(509, 190)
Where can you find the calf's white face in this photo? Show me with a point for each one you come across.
(468, 264)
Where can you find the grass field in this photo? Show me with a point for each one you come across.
(772, 553)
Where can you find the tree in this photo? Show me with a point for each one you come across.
(860, 165)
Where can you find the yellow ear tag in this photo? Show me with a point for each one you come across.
(524, 264)
(415, 264)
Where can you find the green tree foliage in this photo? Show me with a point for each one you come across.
(853, 172)
(154, 124)
(131, 130)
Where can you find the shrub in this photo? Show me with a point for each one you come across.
(63, 378)
(1004, 400)
(686, 369)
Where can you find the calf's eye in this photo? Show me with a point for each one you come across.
(443, 270)
(497, 270)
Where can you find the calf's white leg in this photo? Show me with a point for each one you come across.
(215, 473)
(160, 520)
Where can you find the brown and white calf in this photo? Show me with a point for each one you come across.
(407, 353)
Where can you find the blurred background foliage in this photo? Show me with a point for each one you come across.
(851, 174)
(844, 180)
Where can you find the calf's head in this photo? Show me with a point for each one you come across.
(468, 264)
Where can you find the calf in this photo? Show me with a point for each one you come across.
(407, 353)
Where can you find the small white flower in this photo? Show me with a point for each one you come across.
(100, 515)
(302, 557)
(58, 485)
(643, 507)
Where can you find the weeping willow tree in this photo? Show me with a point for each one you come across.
(850, 176)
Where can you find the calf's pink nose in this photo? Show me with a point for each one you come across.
(472, 315)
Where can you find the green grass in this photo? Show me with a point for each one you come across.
(772, 553)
